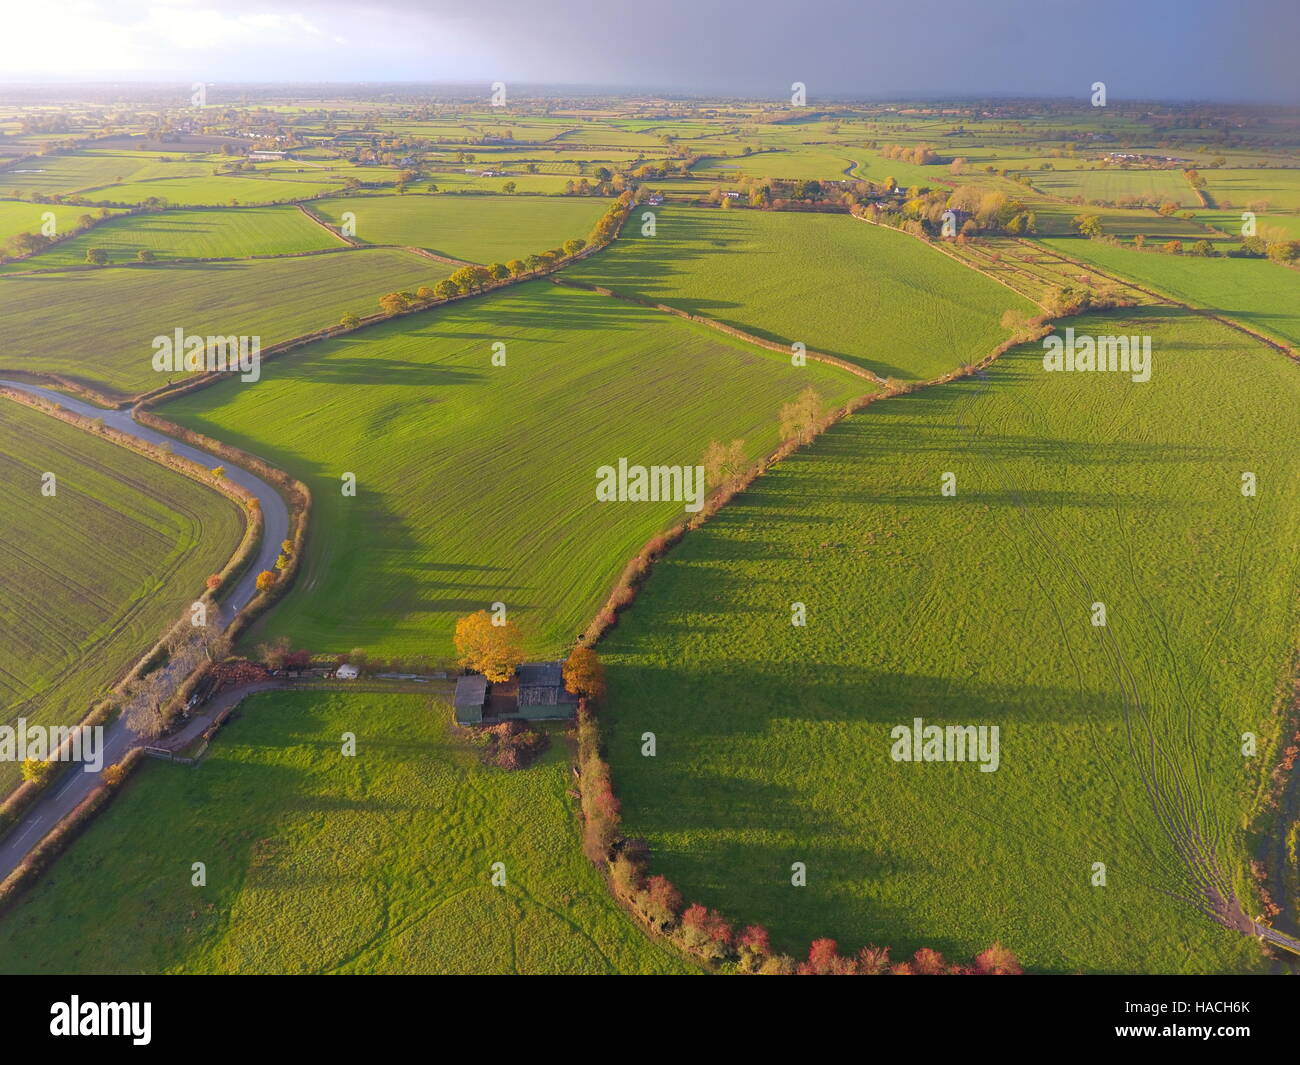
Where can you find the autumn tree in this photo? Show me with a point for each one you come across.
(802, 416)
(997, 961)
(445, 289)
(723, 463)
(583, 673)
(265, 579)
(393, 303)
(487, 648)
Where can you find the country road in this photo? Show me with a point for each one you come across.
(75, 785)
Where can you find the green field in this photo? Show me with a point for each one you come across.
(90, 576)
(51, 174)
(1072, 489)
(482, 229)
(213, 191)
(1110, 185)
(18, 217)
(98, 325)
(1280, 188)
(865, 293)
(233, 232)
(475, 483)
(320, 863)
(1260, 294)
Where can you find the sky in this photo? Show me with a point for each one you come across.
(840, 49)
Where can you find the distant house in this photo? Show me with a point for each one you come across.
(347, 672)
(267, 156)
(654, 200)
(535, 693)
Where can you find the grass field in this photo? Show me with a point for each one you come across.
(1260, 294)
(1280, 188)
(98, 325)
(319, 863)
(232, 232)
(51, 174)
(18, 217)
(483, 229)
(90, 576)
(869, 294)
(774, 741)
(213, 191)
(475, 483)
(1110, 185)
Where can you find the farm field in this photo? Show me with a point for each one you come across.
(44, 317)
(1111, 185)
(19, 217)
(1279, 188)
(839, 286)
(309, 871)
(457, 181)
(230, 232)
(52, 174)
(419, 414)
(212, 191)
(90, 576)
(977, 609)
(798, 162)
(483, 229)
(1263, 295)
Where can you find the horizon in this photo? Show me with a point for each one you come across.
(1236, 55)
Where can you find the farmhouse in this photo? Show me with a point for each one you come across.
(535, 693)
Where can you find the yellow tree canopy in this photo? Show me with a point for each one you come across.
(493, 650)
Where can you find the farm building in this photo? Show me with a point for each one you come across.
(535, 693)
(347, 672)
(470, 699)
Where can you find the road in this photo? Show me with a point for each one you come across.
(75, 785)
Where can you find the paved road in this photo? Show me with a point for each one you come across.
(66, 793)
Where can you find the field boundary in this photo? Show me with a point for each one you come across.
(722, 327)
(1163, 297)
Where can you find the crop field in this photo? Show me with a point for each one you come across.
(18, 217)
(455, 181)
(90, 576)
(1258, 293)
(98, 325)
(230, 232)
(799, 162)
(418, 413)
(213, 191)
(309, 871)
(483, 229)
(1110, 185)
(865, 293)
(50, 174)
(774, 741)
(1057, 220)
(1240, 188)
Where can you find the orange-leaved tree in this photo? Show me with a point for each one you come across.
(583, 673)
(493, 650)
